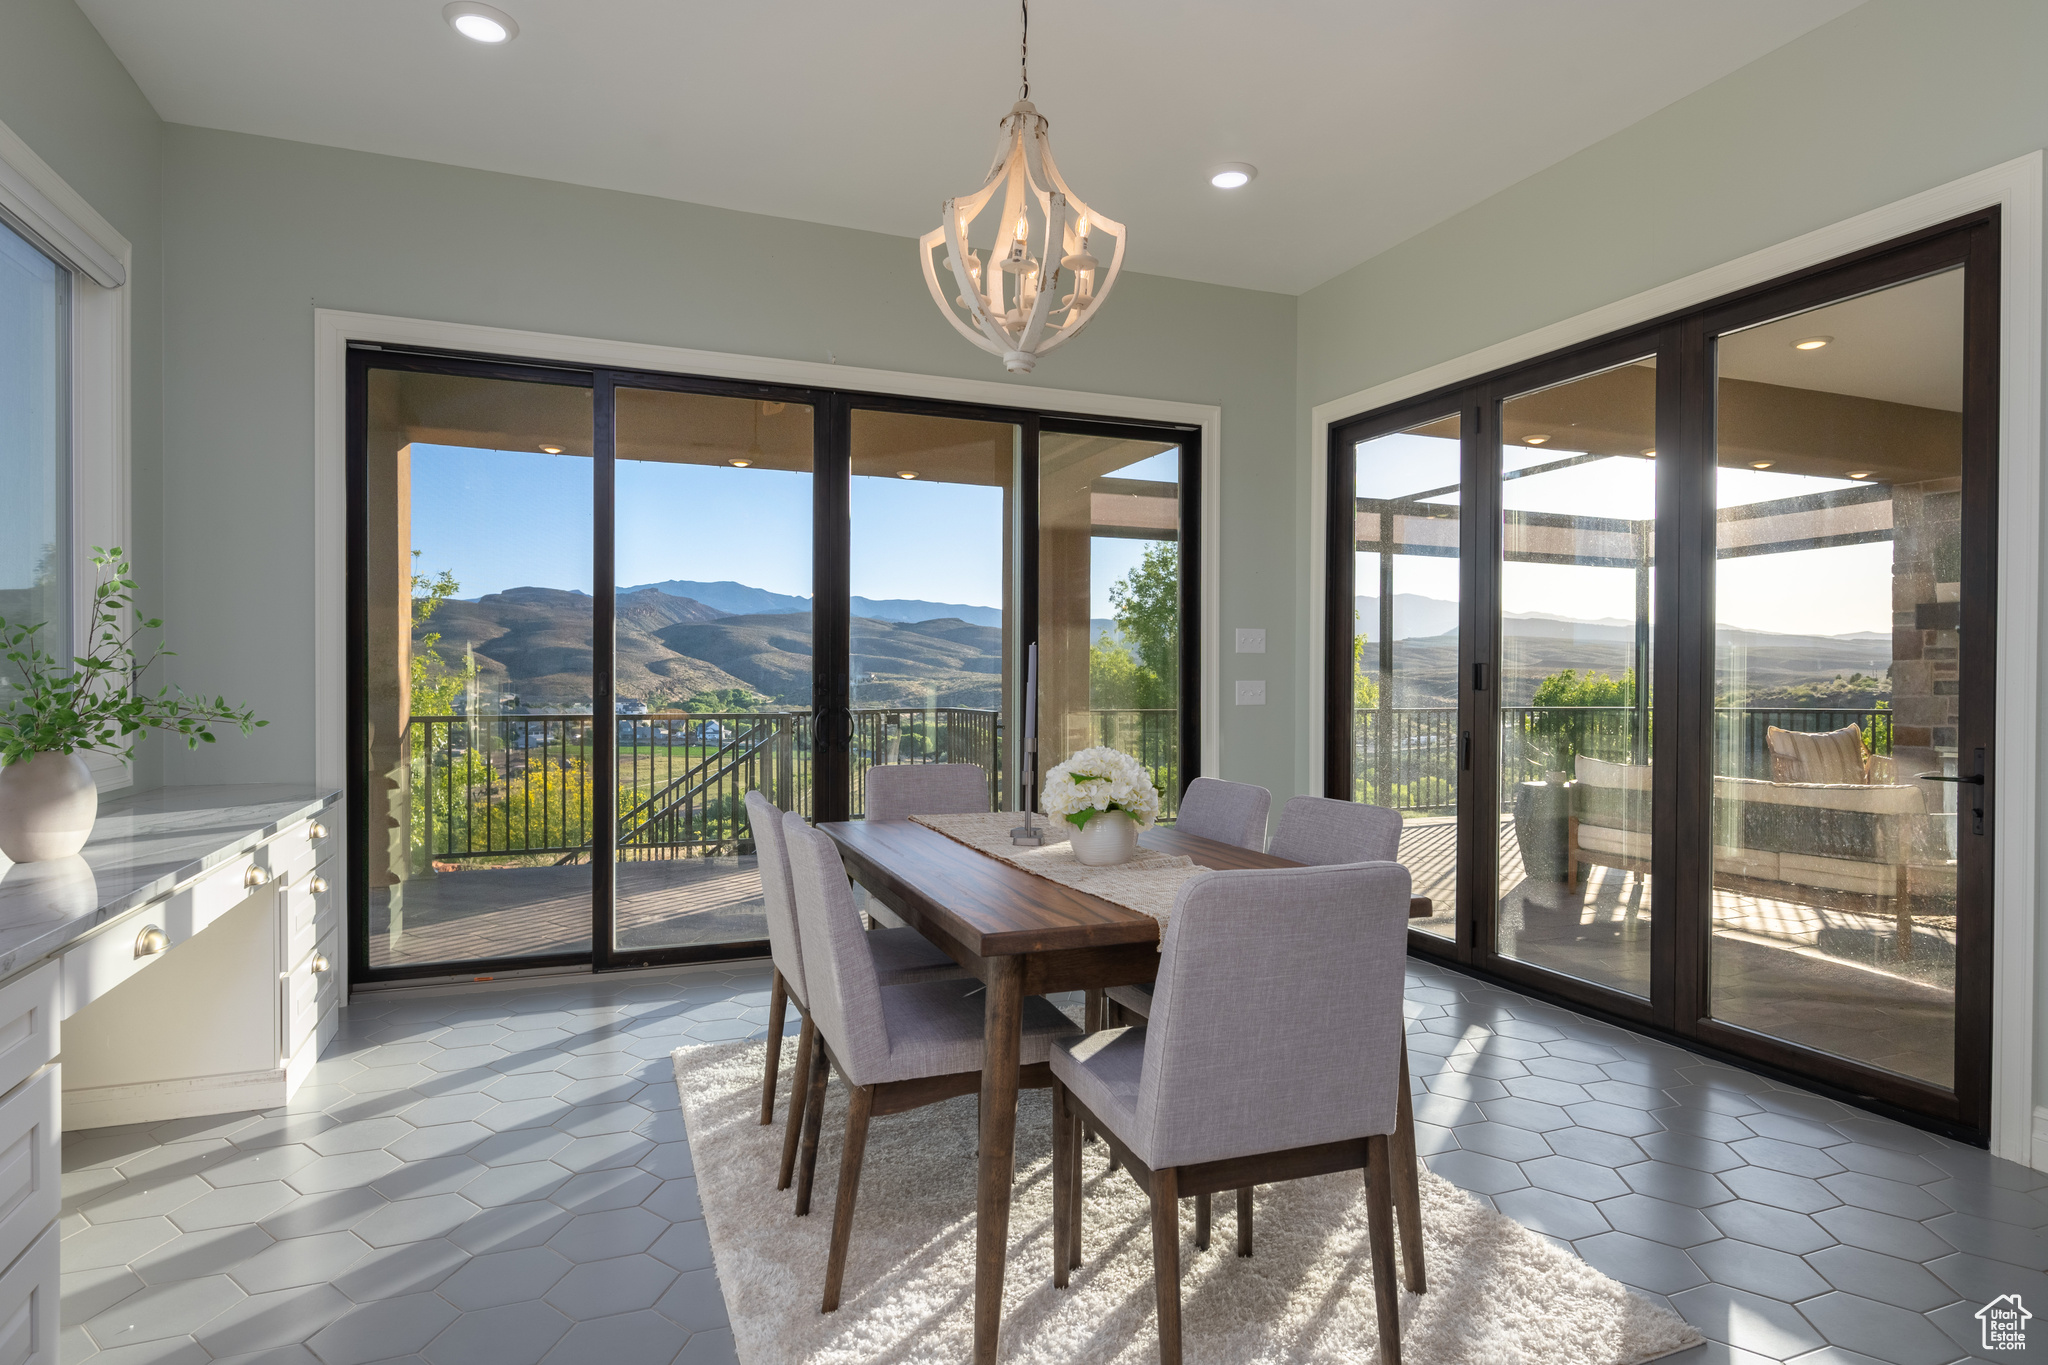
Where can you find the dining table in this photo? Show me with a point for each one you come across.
(1020, 935)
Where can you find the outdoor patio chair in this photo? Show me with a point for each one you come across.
(1265, 976)
(899, 1049)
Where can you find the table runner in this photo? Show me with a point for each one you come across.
(1147, 883)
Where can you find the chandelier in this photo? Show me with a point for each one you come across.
(1009, 299)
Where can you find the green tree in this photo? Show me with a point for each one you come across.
(435, 683)
(1561, 702)
(1112, 676)
(1365, 689)
(1147, 602)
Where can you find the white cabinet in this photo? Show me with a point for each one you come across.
(28, 1304)
(214, 999)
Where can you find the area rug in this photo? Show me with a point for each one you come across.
(1498, 1293)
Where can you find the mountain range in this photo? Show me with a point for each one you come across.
(740, 600)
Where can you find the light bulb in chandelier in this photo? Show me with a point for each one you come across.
(1005, 302)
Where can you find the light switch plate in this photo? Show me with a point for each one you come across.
(1251, 640)
(1251, 693)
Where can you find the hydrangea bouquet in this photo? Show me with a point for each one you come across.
(1097, 780)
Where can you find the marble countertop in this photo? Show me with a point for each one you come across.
(144, 846)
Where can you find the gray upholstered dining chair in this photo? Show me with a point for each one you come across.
(1228, 812)
(1318, 831)
(1265, 976)
(901, 956)
(899, 1049)
(897, 791)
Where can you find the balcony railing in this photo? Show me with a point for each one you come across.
(1407, 757)
(520, 788)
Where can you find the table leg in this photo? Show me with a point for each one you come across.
(1001, 1040)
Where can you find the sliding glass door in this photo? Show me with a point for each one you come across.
(1709, 709)
(590, 610)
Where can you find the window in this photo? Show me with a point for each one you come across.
(35, 446)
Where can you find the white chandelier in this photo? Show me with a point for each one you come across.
(1011, 298)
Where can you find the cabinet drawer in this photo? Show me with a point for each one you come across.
(96, 965)
(308, 993)
(29, 1176)
(29, 1009)
(28, 1304)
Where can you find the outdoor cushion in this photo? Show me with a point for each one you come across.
(1831, 756)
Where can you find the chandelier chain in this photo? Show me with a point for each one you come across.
(1024, 50)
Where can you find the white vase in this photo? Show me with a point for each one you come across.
(47, 806)
(1106, 840)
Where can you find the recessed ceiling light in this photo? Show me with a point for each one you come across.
(1535, 440)
(1233, 175)
(1861, 473)
(1650, 454)
(480, 22)
(739, 464)
(551, 450)
(1759, 464)
(1810, 343)
(906, 473)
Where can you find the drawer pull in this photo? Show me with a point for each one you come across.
(151, 941)
(314, 831)
(255, 877)
(318, 884)
(319, 964)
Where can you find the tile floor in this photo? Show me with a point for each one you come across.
(502, 1178)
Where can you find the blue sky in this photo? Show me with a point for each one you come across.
(506, 519)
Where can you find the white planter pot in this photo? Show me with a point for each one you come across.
(1106, 840)
(47, 806)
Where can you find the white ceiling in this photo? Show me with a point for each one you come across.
(1369, 120)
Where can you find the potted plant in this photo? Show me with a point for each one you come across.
(1107, 796)
(48, 800)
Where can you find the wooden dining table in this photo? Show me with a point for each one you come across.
(1020, 935)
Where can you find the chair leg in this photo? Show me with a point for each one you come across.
(1201, 1222)
(1244, 1221)
(1064, 1152)
(1074, 1135)
(859, 1107)
(1166, 1261)
(1408, 1184)
(778, 1003)
(799, 1098)
(1094, 1019)
(814, 1117)
(1379, 1209)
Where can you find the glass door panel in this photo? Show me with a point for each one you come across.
(477, 694)
(1109, 574)
(1404, 650)
(712, 658)
(1838, 668)
(1578, 512)
(931, 574)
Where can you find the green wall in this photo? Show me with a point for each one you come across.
(1895, 97)
(259, 232)
(64, 94)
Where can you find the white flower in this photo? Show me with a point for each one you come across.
(1100, 779)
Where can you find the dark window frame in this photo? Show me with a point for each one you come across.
(1683, 661)
(832, 411)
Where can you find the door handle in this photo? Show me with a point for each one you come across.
(1974, 780)
(1465, 747)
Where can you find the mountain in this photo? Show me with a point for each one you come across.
(1415, 617)
(739, 599)
(535, 643)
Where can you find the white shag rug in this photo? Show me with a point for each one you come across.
(1498, 1293)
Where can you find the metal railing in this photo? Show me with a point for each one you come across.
(520, 788)
(1407, 757)
(1152, 736)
